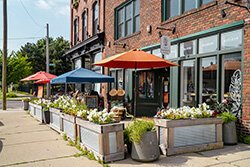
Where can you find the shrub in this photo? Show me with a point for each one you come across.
(228, 117)
(136, 129)
(26, 99)
(11, 95)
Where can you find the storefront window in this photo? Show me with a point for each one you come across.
(113, 84)
(208, 44)
(188, 83)
(230, 40)
(157, 52)
(120, 79)
(188, 48)
(150, 85)
(231, 63)
(142, 85)
(78, 63)
(208, 78)
(189, 5)
(174, 52)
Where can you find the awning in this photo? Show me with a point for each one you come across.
(81, 75)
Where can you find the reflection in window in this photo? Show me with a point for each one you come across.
(230, 40)
(206, 1)
(209, 78)
(157, 52)
(120, 79)
(174, 52)
(188, 48)
(113, 84)
(142, 85)
(188, 83)
(208, 44)
(232, 62)
(78, 63)
(150, 84)
(189, 5)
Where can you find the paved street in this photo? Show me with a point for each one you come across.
(25, 142)
(12, 104)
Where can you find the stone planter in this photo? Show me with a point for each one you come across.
(25, 105)
(189, 135)
(69, 125)
(105, 141)
(147, 150)
(32, 109)
(229, 133)
(55, 119)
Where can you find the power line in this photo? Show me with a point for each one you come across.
(29, 14)
(23, 38)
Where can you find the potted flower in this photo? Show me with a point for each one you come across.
(229, 128)
(143, 136)
(222, 110)
(101, 134)
(26, 103)
(42, 110)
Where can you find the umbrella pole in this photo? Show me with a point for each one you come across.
(135, 94)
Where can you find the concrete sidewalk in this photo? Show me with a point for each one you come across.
(25, 142)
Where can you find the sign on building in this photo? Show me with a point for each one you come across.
(165, 45)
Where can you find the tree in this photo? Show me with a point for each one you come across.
(37, 58)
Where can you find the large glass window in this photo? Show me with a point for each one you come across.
(208, 44)
(84, 26)
(188, 48)
(120, 79)
(232, 39)
(231, 63)
(128, 19)
(76, 21)
(189, 5)
(208, 79)
(174, 52)
(188, 83)
(206, 1)
(95, 18)
(157, 52)
(78, 63)
(172, 8)
(113, 74)
(146, 84)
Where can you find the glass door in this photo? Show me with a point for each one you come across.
(188, 83)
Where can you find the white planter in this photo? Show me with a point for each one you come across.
(55, 119)
(32, 109)
(38, 114)
(69, 125)
(105, 141)
(189, 135)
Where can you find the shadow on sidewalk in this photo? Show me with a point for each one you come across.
(1, 144)
(1, 124)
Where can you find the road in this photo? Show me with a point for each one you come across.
(12, 104)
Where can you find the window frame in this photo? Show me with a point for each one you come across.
(133, 18)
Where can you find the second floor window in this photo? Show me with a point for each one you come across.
(76, 31)
(127, 19)
(84, 26)
(95, 18)
(172, 8)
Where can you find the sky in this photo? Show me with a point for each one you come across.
(27, 19)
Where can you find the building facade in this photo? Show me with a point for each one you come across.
(210, 40)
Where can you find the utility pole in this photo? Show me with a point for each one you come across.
(47, 57)
(4, 66)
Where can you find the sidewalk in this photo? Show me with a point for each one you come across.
(25, 142)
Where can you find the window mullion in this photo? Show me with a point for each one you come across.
(132, 17)
(124, 21)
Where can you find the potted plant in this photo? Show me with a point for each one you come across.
(229, 128)
(142, 135)
(222, 110)
(26, 103)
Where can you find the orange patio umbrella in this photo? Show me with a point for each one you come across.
(41, 75)
(135, 59)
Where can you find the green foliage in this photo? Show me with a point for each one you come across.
(11, 95)
(65, 138)
(246, 139)
(136, 129)
(36, 55)
(228, 117)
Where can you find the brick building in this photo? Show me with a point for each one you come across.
(210, 40)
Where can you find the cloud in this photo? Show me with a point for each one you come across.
(59, 7)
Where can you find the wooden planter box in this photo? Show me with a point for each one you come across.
(69, 125)
(32, 109)
(55, 119)
(189, 135)
(38, 114)
(105, 141)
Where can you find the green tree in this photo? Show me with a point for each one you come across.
(37, 57)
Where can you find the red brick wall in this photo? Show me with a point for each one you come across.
(86, 5)
(196, 20)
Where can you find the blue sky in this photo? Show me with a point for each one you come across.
(20, 25)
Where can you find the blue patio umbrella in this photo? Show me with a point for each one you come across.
(81, 75)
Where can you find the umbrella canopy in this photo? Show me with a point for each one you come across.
(43, 81)
(81, 75)
(135, 59)
(39, 76)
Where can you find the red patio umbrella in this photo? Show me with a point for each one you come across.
(135, 59)
(41, 75)
(42, 81)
